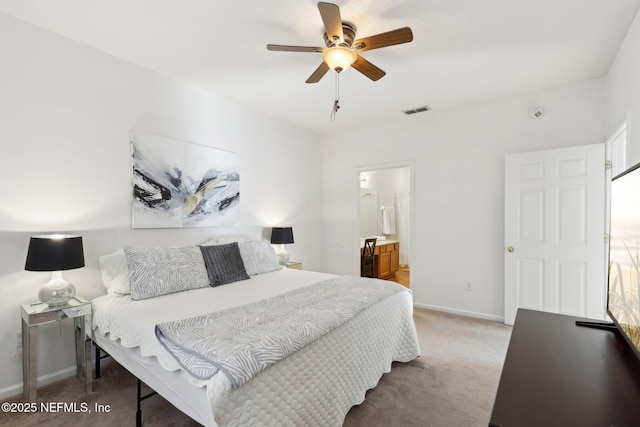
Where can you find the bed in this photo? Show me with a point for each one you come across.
(316, 384)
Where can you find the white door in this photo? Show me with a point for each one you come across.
(555, 232)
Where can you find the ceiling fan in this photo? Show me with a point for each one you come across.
(343, 49)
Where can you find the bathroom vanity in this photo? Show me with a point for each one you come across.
(387, 258)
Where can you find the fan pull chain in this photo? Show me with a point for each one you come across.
(336, 103)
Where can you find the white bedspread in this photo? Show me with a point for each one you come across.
(314, 386)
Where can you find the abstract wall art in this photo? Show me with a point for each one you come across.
(182, 184)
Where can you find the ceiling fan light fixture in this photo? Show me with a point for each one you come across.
(339, 58)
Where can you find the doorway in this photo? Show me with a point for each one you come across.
(384, 212)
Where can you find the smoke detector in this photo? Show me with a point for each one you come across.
(536, 112)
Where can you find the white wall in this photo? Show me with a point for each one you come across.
(458, 195)
(65, 115)
(622, 94)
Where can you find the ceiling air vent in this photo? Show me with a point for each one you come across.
(417, 110)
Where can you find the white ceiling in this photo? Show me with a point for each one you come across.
(464, 51)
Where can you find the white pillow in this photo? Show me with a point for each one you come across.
(115, 272)
(258, 257)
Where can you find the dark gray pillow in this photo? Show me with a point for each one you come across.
(224, 264)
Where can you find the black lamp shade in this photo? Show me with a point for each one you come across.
(54, 253)
(281, 235)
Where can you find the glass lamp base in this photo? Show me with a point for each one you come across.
(283, 257)
(57, 292)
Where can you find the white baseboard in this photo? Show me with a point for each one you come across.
(466, 313)
(17, 389)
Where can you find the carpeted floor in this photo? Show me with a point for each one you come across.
(453, 383)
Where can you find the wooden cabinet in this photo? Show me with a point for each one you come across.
(395, 259)
(383, 264)
(387, 256)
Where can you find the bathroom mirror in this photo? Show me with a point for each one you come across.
(368, 212)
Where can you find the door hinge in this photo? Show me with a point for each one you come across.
(607, 164)
(607, 238)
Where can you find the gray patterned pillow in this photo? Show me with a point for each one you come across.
(224, 264)
(259, 257)
(160, 271)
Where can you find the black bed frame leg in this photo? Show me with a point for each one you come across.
(100, 354)
(139, 411)
(97, 362)
(140, 399)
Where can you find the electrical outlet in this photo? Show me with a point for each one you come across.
(19, 339)
(468, 287)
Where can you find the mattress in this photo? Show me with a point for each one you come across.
(316, 385)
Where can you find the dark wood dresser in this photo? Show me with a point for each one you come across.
(559, 374)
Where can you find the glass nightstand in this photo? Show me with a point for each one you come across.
(39, 313)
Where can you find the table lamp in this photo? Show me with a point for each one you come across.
(55, 253)
(282, 236)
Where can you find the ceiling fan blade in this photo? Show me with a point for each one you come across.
(318, 73)
(390, 38)
(368, 69)
(330, 14)
(284, 48)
